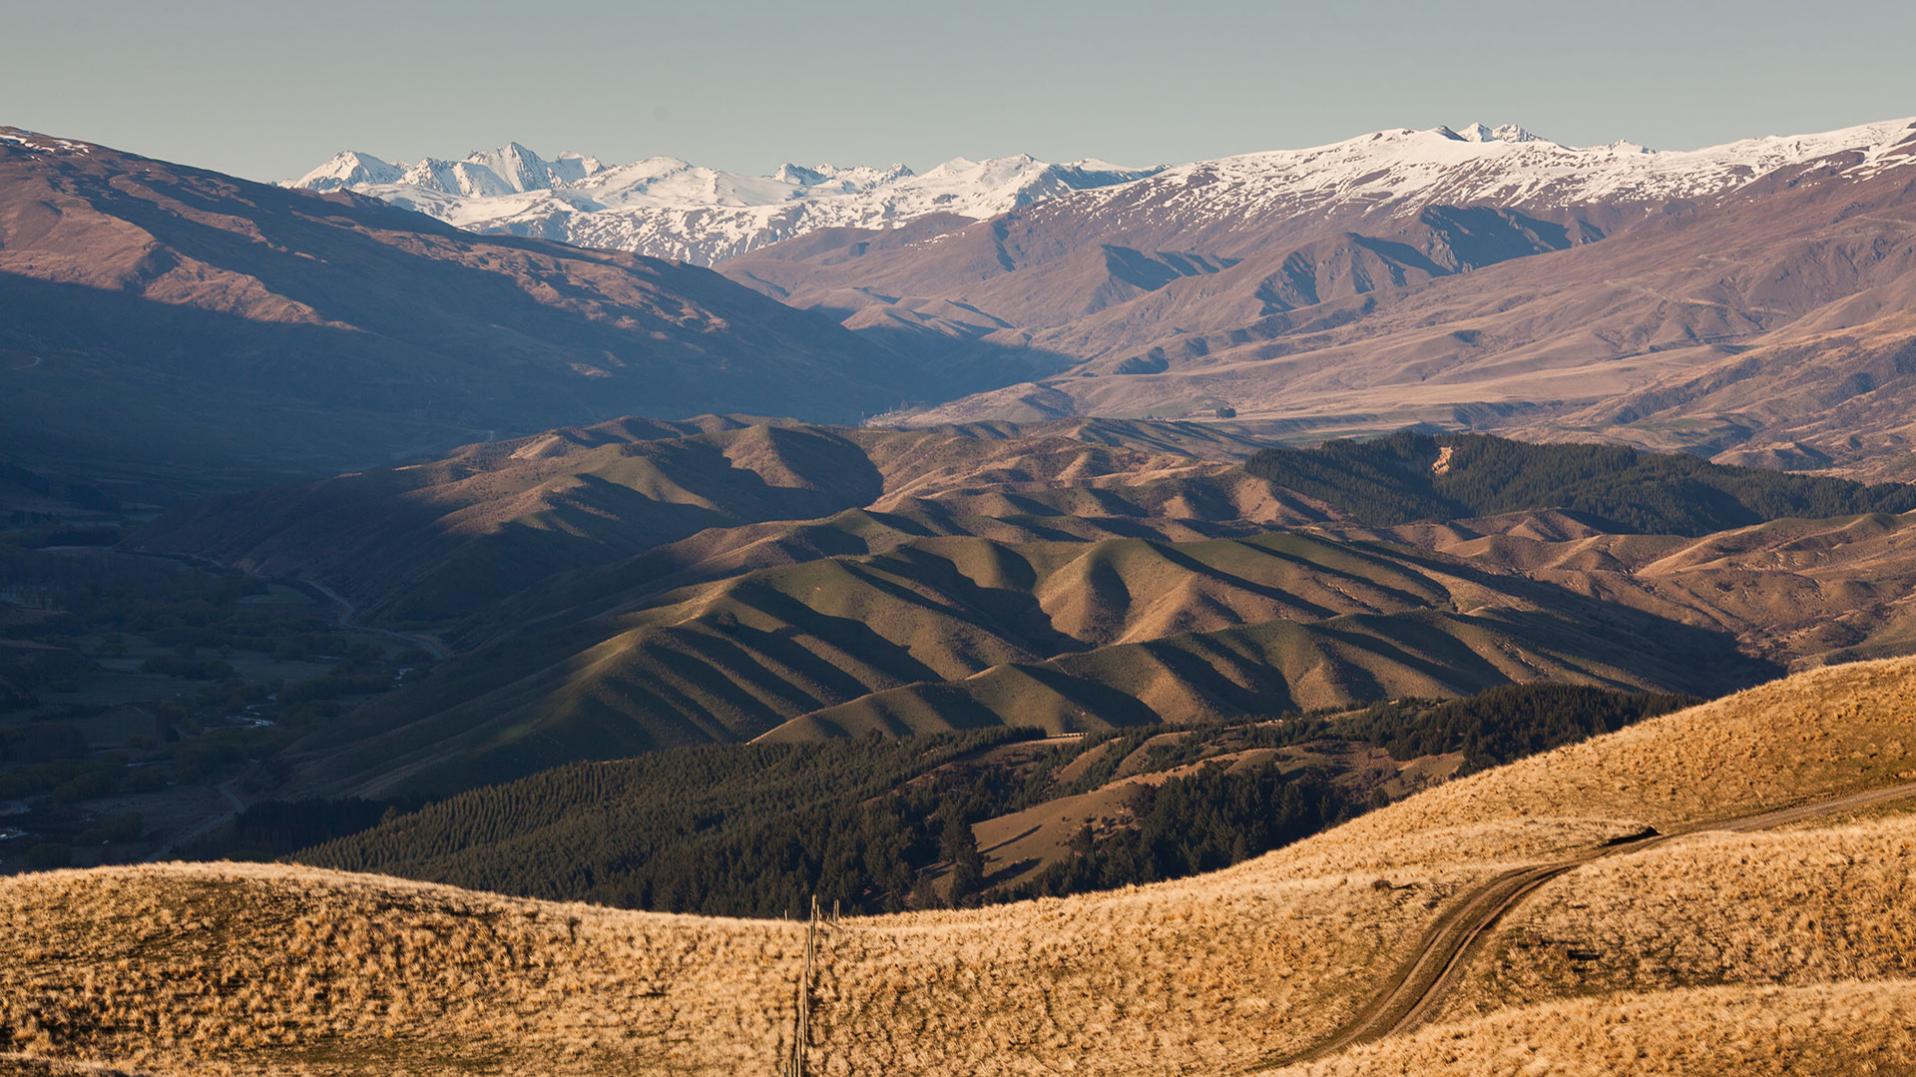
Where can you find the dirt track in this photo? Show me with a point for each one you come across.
(1416, 991)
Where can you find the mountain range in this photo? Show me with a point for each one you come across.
(1305, 571)
(177, 330)
(668, 208)
(1746, 301)
(1324, 287)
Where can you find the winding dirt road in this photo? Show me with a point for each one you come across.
(1417, 990)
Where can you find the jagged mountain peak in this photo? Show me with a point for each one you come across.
(349, 168)
(672, 208)
(1503, 132)
(855, 177)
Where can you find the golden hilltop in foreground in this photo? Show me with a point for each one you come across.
(1764, 926)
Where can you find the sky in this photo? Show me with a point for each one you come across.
(266, 89)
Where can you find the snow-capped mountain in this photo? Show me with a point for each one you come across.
(1475, 275)
(1404, 170)
(1503, 132)
(350, 169)
(669, 208)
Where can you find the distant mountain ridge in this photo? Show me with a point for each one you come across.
(1747, 301)
(669, 208)
(187, 329)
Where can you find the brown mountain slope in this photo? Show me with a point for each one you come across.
(1797, 591)
(186, 966)
(1282, 665)
(449, 538)
(1829, 392)
(956, 632)
(303, 332)
(635, 585)
(1611, 315)
(1662, 300)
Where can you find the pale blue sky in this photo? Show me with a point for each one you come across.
(266, 89)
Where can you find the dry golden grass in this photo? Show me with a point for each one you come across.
(176, 968)
(1809, 736)
(1833, 1029)
(1795, 908)
(18, 1065)
(189, 968)
(186, 968)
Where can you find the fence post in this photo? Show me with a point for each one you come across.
(802, 1025)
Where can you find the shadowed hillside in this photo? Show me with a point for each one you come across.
(448, 539)
(646, 505)
(641, 585)
(193, 331)
(957, 633)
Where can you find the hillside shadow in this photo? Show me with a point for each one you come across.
(1693, 658)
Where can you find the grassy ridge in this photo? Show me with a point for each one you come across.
(182, 968)
(1282, 665)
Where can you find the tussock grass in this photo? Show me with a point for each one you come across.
(189, 968)
(1813, 735)
(185, 968)
(1795, 908)
(1847, 1029)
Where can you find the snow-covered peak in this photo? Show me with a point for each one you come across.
(575, 167)
(995, 169)
(1400, 171)
(515, 167)
(672, 208)
(349, 168)
(798, 175)
(1503, 132)
(855, 178)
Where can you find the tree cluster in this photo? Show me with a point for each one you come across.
(877, 825)
(1394, 480)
